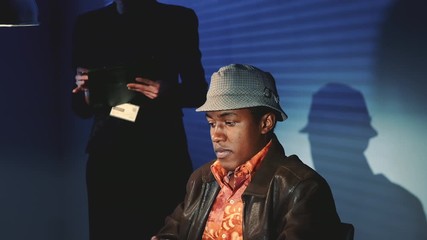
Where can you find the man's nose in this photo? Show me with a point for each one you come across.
(217, 133)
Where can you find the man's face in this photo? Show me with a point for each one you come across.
(236, 136)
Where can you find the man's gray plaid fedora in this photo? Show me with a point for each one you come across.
(237, 86)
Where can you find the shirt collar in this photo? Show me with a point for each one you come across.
(247, 168)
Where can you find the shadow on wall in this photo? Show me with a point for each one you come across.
(339, 130)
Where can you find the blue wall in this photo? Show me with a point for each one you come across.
(350, 73)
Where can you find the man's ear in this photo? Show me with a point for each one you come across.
(268, 121)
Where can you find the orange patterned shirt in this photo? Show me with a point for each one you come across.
(225, 219)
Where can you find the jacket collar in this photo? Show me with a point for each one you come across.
(266, 171)
(263, 176)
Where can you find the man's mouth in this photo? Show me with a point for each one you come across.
(222, 152)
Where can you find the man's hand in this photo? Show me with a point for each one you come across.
(81, 80)
(148, 87)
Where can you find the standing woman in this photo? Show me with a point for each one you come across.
(138, 159)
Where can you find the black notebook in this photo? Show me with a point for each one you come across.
(108, 86)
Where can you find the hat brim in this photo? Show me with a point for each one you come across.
(229, 102)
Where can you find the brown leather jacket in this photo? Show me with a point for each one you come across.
(286, 199)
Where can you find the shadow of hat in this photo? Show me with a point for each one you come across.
(339, 109)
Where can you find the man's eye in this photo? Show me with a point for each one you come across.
(230, 123)
(211, 124)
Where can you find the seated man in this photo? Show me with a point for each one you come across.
(252, 190)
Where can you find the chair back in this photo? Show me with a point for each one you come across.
(347, 231)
